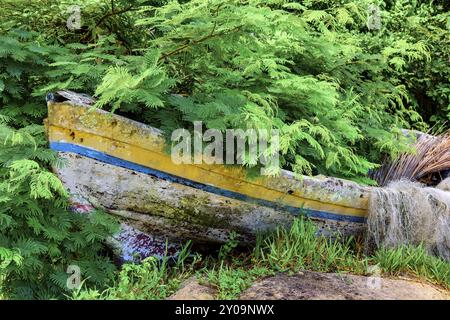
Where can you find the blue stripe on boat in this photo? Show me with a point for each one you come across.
(100, 156)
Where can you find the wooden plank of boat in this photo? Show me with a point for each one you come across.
(123, 167)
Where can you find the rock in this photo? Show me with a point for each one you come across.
(444, 184)
(191, 289)
(330, 286)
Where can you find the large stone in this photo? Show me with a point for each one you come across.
(330, 286)
(191, 289)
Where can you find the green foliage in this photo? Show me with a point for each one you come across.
(152, 279)
(80, 67)
(40, 237)
(229, 246)
(99, 18)
(413, 41)
(22, 59)
(144, 88)
(230, 275)
(286, 250)
(422, 26)
(414, 260)
(300, 247)
(336, 95)
(231, 281)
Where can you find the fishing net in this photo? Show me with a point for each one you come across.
(408, 213)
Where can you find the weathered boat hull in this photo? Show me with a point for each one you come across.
(122, 166)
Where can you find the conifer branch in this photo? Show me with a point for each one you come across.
(194, 42)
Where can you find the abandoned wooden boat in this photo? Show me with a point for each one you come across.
(122, 166)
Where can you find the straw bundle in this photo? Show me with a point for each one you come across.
(432, 156)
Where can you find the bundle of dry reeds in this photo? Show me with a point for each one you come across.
(432, 156)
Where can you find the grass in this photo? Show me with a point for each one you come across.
(152, 279)
(230, 280)
(299, 247)
(414, 261)
(285, 250)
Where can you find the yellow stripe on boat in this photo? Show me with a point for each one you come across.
(136, 143)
